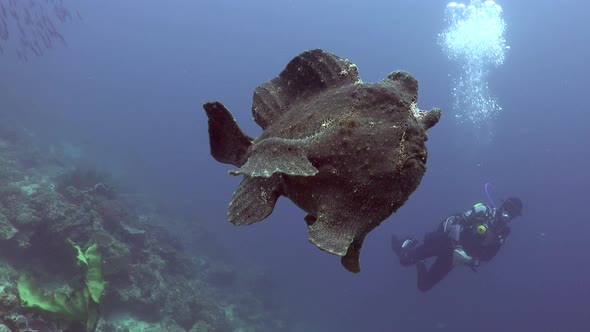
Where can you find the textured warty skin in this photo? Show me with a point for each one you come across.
(349, 153)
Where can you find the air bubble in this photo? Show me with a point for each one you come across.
(474, 39)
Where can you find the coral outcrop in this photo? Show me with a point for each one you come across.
(152, 282)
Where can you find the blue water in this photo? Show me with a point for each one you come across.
(129, 86)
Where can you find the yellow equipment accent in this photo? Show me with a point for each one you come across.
(482, 229)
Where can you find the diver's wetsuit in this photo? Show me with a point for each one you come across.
(440, 244)
(436, 244)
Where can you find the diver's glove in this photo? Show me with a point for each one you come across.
(461, 258)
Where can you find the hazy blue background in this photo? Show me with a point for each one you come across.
(129, 88)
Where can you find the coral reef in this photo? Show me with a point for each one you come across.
(152, 283)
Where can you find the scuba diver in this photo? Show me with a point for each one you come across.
(461, 240)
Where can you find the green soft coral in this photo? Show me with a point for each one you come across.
(80, 305)
(94, 281)
(58, 304)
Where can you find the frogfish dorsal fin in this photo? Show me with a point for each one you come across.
(308, 74)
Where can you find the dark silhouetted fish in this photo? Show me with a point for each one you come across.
(347, 152)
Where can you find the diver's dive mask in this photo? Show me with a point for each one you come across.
(505, 216)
